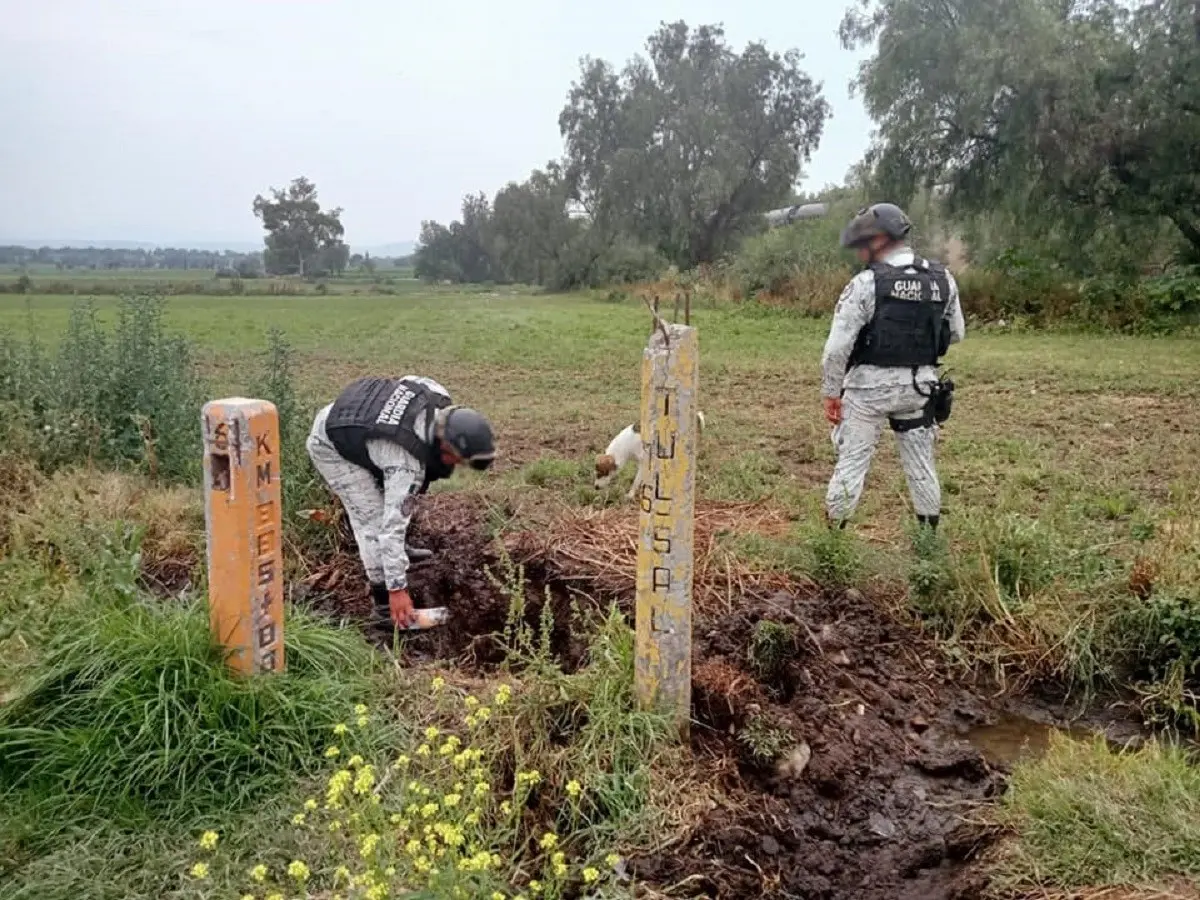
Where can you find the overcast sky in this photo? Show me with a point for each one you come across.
(160, 121)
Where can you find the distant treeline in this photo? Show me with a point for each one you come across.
(99, 258)
(225, 262)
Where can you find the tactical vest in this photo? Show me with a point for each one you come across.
(392, 409)
(909, 327)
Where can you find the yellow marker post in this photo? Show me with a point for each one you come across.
(670, 370)
(242, 514)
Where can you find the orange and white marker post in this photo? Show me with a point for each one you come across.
(242, 510)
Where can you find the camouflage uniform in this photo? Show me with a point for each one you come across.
(872, 394)
(378, 516)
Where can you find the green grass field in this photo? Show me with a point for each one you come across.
(1086, 429)
(1068, 467)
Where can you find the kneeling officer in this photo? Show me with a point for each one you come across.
(378, 446)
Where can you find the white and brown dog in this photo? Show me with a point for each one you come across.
(623, 449)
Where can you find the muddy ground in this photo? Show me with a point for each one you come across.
(872, 796)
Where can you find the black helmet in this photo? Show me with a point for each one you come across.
(470, 434)
(881, 218)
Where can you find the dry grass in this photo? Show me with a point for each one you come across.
(60, 519)
(600, 546)
(1181, 891)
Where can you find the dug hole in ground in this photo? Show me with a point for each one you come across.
(839, 748)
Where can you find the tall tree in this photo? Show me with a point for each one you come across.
(302, 239)
(1067, 117)
(535, 240)
(684, 149)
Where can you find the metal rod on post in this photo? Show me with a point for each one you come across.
(670, 369)
(243, 524)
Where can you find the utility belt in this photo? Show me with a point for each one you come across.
(937, 406)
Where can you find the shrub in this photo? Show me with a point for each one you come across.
(129, 396)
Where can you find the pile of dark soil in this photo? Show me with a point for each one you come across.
(846, 774)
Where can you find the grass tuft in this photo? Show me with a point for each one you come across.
(1085, 816)
(131, 712)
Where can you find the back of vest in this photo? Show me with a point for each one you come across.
(388, 408)
(909, 327)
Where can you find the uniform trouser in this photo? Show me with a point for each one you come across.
(360, 494)
(865, 413)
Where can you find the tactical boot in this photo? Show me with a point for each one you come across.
(418, 554)
(929, 521)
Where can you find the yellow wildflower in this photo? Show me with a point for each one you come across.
(413, 847)
(559, 861)
(549, 841)
(310, 804)
(365, 780)
(496, 895)
(503, 694)
(354, 761)
(428, 810)
(247, 897)
(590, 875)
(612, 860)
(390, 871)
(505, 808)
(377, 892)
(208, 840)
(200, 870)
(341, 873)
(362, 721)
(401, 762)
(574, 788)
(360, 709)
(451, 800)
(274, 896)
(423, 750)
(298, 870)
(438, 683)
(340, 729)
(335, 825)
(332, 752)
(529, 778)
(483, 714)
(367, 845)
(432, 732)
(470, 702)
(449, 746)
(535, 886)
(298, 819)
(259, 873)
(472, 818)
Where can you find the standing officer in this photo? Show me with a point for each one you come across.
(893, 323)
(379, 445)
